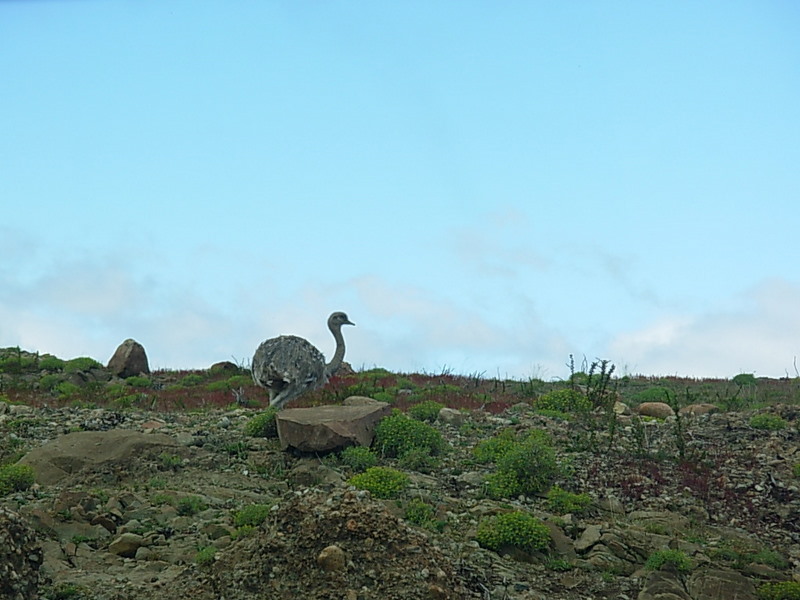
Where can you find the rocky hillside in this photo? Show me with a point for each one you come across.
(162, 486)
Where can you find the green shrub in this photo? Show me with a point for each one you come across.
(419, 513)
(191, 505)
(743, 379)
(15, 478)
(252, 515)
(654, 394)
(191, 379)
(218, 386)
(263, 425)
(426, 411)
(67, 389)
(418, 459)
(48, 362)
(565, 400)
(169, 462)
(562, 502)
(524, 466)
(767, 421)
(796, 470)
(676, 559)
(205, 556)
(82, 363)
(358, 458)
(398, 434)
(381, 482)
(516, 529)
(138, 381)
(49, 382)
(493, 448)
(784, 590)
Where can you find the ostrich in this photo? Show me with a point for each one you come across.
(288, 365)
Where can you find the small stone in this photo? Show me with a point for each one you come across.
(331, 559)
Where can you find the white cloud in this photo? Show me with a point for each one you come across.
(760, 334)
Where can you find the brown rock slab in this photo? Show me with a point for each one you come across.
(126, 545)
(719, 584)
(329, 427)
(659, 410)
(74, 452)
(129, 359)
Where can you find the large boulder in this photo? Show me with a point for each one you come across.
(20, 558)
(74, 452)
(330, 427)
(129, 359)
(658, 410)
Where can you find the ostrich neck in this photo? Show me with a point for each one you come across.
(338, 356)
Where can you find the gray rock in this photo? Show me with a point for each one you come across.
(73, 452)
(126, 545)
(451, 416)
(129, 359)
(719, 584)
(590, 536)
(331, 559)
(327, 428)
(664, 585)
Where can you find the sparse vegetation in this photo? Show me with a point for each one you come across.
(358, 458)
(515, 529)
(562, 502)
(397, 435)
(381, 482)
(263, 425)
(768, 422)
(15, 478)
(252, 515)
(674, 559)
(784, 590)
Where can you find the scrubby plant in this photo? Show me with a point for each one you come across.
(15, 478)
(563, 502)
(743, 379)
(381, 482)
(263, 424)
(783, 590)
(656, 393)
(48, 362)
(82, 363)
(768, 422)
(398, 434)
(426, 411)
(796, 470)
(524, 466)
(191, 505)
(564, 401)
(252, 515)
(67, 389)
(169, 462)
(418, 459)
(420, 513)
(191, 379)
(515, 529)
(676, 559)
(358, 458)
(139, 381)
(205, 556)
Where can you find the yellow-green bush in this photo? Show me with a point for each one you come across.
(15, 478)
(381, 482)
(516, 529)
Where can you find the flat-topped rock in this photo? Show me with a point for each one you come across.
(73, 452)
(330, 427)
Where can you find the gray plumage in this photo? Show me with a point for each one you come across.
(289, 366)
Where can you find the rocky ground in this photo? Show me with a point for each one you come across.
(143, 508)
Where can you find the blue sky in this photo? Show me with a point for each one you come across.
(483, 187)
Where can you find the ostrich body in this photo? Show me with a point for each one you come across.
(289, 366)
